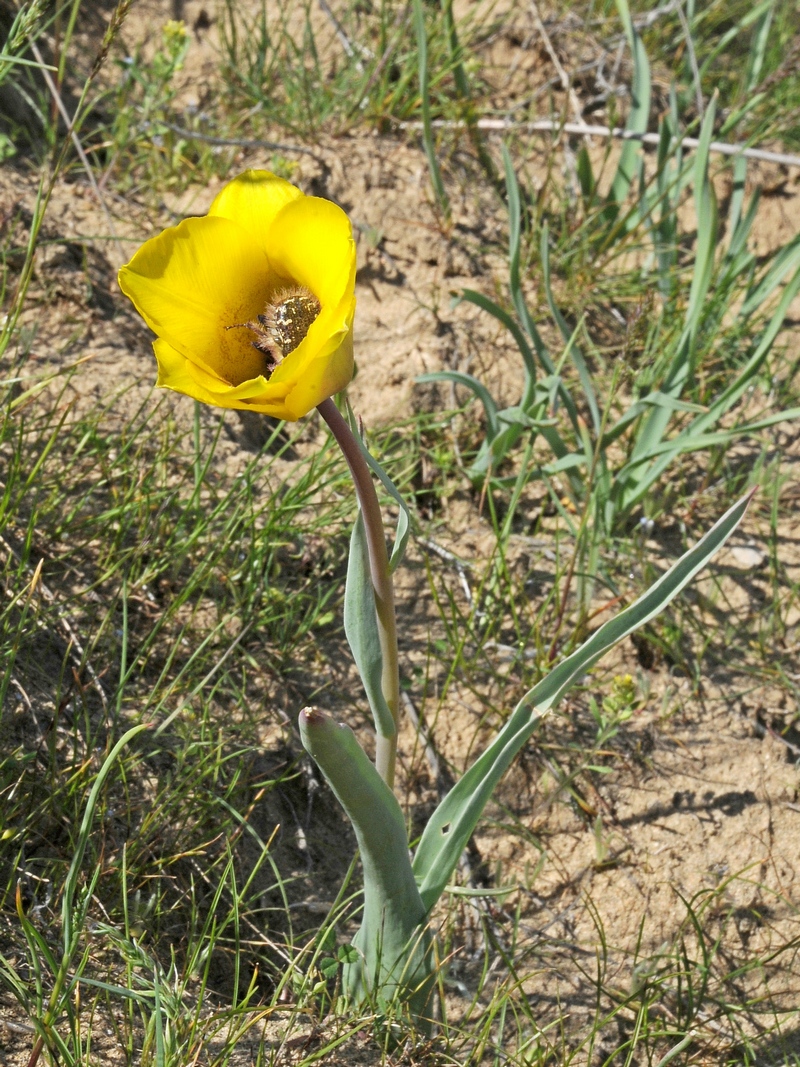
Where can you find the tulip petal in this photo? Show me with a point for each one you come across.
(324, 376)
(253, 200)
(191, 282)
(260, 388)
(311, 243)
(173, 373)
(203, 286)
(182, 376)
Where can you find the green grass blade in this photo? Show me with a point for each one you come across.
(735, 32)
(639, 408)
(478, 388)
(630, 161)
(564, 463)
(71, 881)
(514, 253)
(725, 401)
(740, 225)
(786, 260)
(453, 822)
(456, 52)
(442, 199)
(586, 178)
(665, 226)
(701, 441)
(655, 426)
(568, 334)
(664, 451)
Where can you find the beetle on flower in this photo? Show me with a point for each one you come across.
(253, 303)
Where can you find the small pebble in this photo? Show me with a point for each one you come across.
(746, 557)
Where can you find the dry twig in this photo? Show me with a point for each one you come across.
(583, 129)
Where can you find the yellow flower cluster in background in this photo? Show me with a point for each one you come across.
(252, 304)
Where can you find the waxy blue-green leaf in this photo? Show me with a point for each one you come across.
(786, 260)
(502, 316)
(706, 210)
(634, 483)
(453, 822)
(739, 224)
(395, 954)
(514, 254)
(361, 629)
(736, 31)
(568, 334)
(475, 386)
(428, 140)
(403, 514)
(518, 297)
(680, 368)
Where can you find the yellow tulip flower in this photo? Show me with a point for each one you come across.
(253, 303)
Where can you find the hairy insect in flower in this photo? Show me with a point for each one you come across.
(282, 325)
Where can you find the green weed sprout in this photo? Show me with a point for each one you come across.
(142, 103)
(253, 306)
(611, 453)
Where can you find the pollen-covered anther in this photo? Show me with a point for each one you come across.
(283, 324)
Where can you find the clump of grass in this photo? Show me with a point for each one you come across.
(144, 587)
(711, 51)
(688, 358)
(306, 73)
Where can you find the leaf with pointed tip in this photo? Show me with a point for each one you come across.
(473, 384)
(453, 822)
(630, 160)
(361, 629)
(403, 515)
(394, 945)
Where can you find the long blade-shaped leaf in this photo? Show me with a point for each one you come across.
(403, 515)
(655, 425)
(514, 249)
(706, 244)
(735, 31)
(740, 225)
(71, 881)
(702, 441)
(483, 302)
(630, 160)
(664, 225)
(568, 334)
(451, 825)
(477, 387)
(393, 942)
(635, 487)
(442, 199)
(361, 628)
(784, 261)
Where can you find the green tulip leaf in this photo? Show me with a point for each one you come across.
(361, 628)
(453, 822)
(393, 946)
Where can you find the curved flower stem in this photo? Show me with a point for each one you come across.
(381, 579)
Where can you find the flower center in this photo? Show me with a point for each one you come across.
(282, 325)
